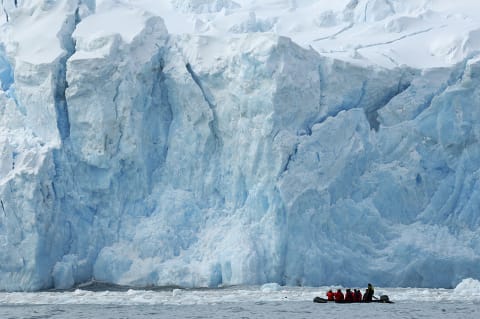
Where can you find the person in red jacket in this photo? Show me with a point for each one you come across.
(357, 295)
(349, 295)
(339, 296)
(330, 295)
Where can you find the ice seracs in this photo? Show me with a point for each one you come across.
(224, 150)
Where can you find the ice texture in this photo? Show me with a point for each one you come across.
(137, 156)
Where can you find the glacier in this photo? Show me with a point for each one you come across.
(137, 155)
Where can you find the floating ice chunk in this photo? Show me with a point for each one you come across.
(270, 287)
(468, 287)
(177, 292)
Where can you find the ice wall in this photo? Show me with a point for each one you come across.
(137, 157)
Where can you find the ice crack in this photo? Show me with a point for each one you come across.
(335, 112)
(3, 208)
(210, 101)
(6, 71)
(372, 113)
(290, 158)
(5, 11)
(394, 40)
(332, 36)
(455, 77)
(7, 16)
(68, 44)
(158, 120)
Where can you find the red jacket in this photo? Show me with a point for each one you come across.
(330, 295)
(357, 296)
(349, 296)
(339, 296)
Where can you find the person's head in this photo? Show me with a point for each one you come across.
(339, 290)
(369, 285)
(330, 290)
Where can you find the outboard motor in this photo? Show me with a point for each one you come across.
(384, 298)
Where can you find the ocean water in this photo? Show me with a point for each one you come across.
(292, 310)
(268, 301)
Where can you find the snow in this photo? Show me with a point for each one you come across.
(389, 33)
(216, 143)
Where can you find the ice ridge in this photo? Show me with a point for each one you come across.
(135, 156)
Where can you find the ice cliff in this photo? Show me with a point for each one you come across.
(138, 156)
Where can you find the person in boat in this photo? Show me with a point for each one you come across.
(339, 297)
(330, 295)
(349, 295)
(357, 295)
(367, 297)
